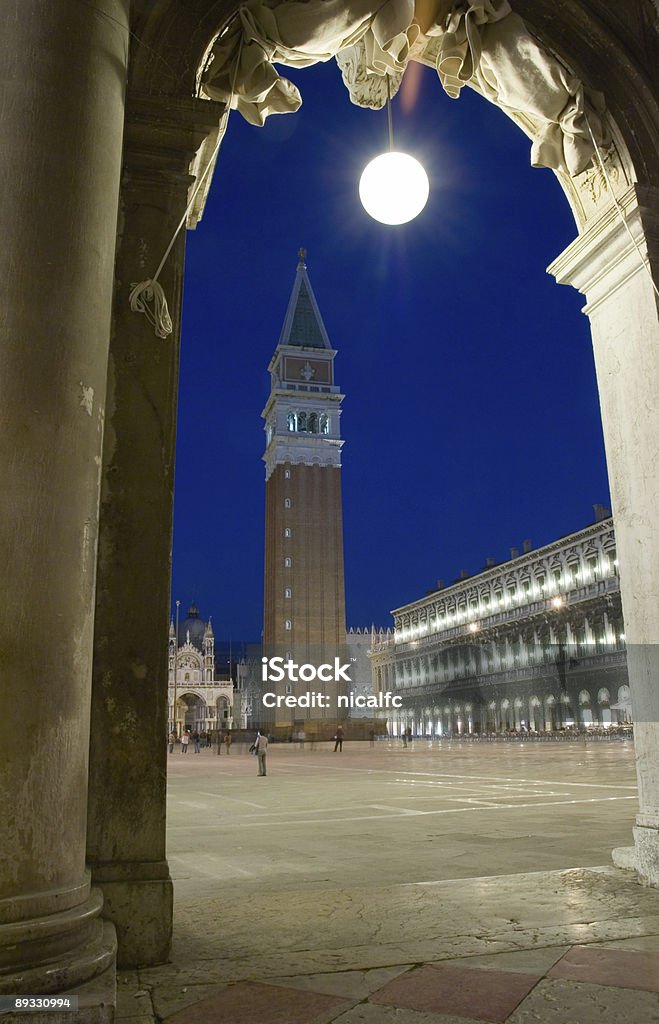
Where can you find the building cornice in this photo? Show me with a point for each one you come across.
(604, 526)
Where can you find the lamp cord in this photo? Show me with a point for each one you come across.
(148, 296)
(644, 260)
(390, 121)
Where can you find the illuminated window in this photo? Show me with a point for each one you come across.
(292, 421)
(287, 502)
(287, 531)
(288, 563)
(288, 592)
(288, 624)
(324, 424)
(287, 474)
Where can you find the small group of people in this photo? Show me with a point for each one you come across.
(199, 740)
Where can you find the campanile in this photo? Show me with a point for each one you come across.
(304, 608)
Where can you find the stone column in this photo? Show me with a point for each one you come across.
(622, 306)
(126, 827)
(61, 121)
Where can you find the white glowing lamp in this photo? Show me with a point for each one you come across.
(394, 188)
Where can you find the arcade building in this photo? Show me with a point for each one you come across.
(534, 644)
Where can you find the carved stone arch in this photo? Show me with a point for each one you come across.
(190, 691)
(595, 41)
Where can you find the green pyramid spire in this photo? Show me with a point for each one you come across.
(303, 325)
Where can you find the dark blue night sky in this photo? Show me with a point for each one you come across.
(471, 415)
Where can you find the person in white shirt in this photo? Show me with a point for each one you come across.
(260, 749)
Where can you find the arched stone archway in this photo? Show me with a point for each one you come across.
(195, 715)
(67, 379)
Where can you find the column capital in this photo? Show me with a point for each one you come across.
(160, 125)
(603, 258)
(168, 143)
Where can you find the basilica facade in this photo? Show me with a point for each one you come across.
(536, 644)
(199, 699)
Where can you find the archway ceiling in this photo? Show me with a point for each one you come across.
(612, 46)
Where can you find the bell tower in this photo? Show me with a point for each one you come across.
(304, 613)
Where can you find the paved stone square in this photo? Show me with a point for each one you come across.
(387, 815)
(437, 884)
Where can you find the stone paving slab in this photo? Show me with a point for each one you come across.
(168, 999)
(133, 1002)
(621, 968)
(250, 1002)
(570, 1002)
(461, 991)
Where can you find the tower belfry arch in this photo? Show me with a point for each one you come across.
(118, 82)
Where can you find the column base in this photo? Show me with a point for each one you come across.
(642, 857)
(141, 910)
(55, 952)
(97, 998)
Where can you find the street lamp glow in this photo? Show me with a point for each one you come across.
(394, 188)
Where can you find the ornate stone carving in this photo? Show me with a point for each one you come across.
(594, 180)
(366, 89)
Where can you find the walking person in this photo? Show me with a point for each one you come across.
(196, 741)
(172, 741)
(338, 739)
(261, 749)
(185, 739)
(228, 740)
